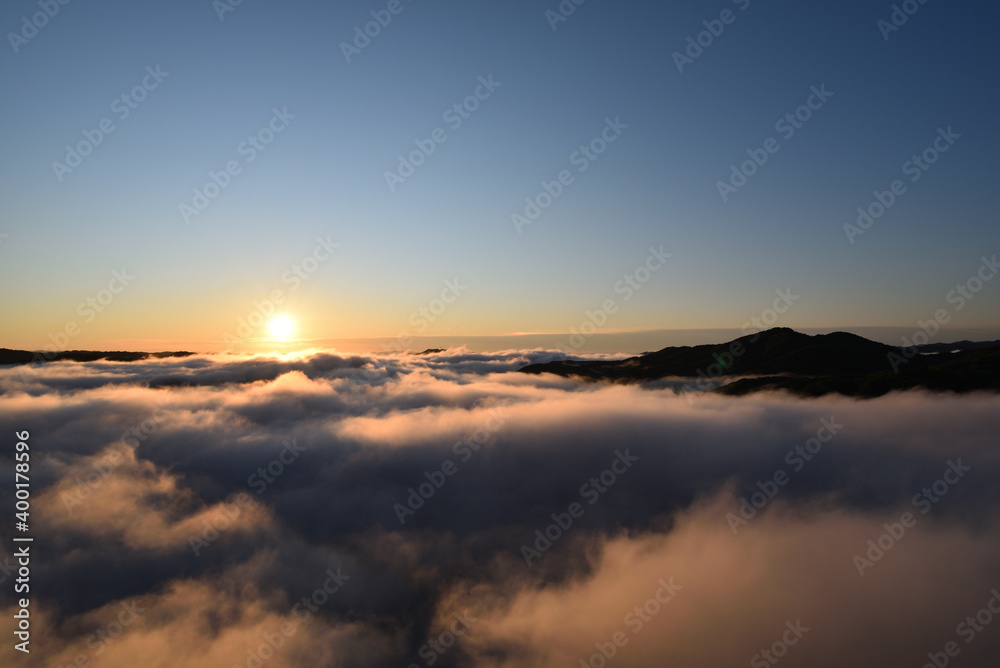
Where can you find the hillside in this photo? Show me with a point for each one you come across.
(782, 358)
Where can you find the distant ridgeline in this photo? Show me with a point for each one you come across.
(783, 359)
(774, 359)
(8, 356)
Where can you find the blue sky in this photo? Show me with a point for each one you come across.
(656, 184)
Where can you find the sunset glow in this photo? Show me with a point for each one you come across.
(598, 334)
(282, 327)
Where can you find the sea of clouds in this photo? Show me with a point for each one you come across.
(401, 510)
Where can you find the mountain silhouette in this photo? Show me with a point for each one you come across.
(8, 356)
(782, 358)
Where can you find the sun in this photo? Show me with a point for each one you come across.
(282, 327)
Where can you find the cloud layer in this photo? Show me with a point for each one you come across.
(441, 510)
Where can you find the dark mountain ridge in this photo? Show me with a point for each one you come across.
(8, 356)
(782, 358)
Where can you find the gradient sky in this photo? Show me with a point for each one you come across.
(324, 174)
